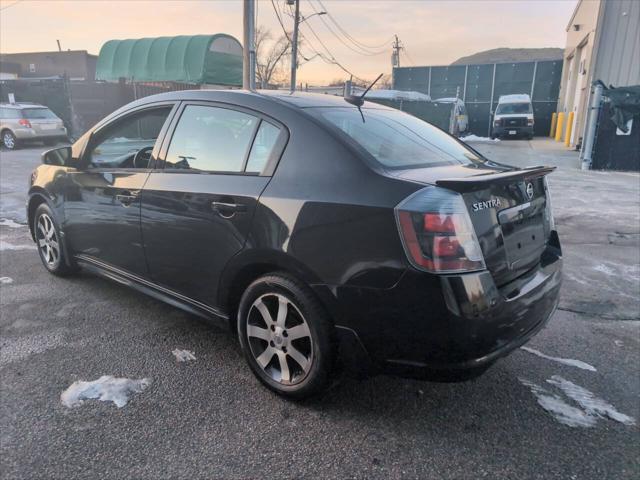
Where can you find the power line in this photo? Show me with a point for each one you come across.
(361, 51)
(346, 33)
(11, 5)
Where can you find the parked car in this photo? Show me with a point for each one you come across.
(327, 237)
(460, 111)
(513, 117)
(27, 122)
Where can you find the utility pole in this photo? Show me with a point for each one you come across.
(249, 50)
(294, 43)
(395, 56)
(59, 46)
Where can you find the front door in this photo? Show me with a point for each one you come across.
(197, 211)
(102, 200)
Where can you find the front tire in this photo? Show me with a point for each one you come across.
(49, 242)
(286, 336)
(9, 140)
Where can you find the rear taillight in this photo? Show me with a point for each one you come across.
(530, 122)
(437, 233)
(24, 122)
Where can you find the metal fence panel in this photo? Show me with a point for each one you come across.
(482, 86)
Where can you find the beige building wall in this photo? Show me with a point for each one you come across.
(577, 67)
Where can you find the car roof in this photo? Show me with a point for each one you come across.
(22, 105)
(296, 99)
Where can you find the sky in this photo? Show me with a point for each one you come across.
(432, 32)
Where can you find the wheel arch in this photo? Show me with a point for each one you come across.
(37, 197)
(248, 266)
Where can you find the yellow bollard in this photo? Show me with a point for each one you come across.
(567, 136)
(552, 133)
(559, 126)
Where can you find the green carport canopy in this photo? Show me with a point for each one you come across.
(214, 59)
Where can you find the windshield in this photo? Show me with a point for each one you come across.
(37, 113)
(398, 140)
(509, 108)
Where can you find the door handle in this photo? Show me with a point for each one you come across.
(126, 198)
(228, 210)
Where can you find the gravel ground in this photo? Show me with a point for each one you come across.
(210, 418)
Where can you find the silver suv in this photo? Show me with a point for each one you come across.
(24, 122)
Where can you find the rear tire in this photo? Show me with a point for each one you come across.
(9, 140)
(49, 242)
(286, 336)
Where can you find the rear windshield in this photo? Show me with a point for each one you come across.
(509, 108)
(396, 139)
(36, 113)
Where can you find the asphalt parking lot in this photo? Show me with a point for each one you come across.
(540, 413)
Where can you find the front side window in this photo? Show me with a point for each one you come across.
(38, 113)
(511, 108)
(211, 139)
(398, 140)
(119, 143)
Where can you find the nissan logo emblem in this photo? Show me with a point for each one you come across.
(530, 190)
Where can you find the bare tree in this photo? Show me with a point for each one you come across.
(270, 56)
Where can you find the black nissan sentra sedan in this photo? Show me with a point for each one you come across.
(330, 238)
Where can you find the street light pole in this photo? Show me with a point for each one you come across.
(294, 46)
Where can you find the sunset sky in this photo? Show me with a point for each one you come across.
(433, 32)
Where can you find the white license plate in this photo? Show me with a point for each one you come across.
(512, 132)
(47, 126)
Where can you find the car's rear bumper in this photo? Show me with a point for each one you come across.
(25, 134)
(429, 323)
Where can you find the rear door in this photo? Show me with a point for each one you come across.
(197, 209)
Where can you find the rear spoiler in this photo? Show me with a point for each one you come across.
(479, 182)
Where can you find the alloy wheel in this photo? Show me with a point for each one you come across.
(8, 141)
(48, 240)
(280, 339)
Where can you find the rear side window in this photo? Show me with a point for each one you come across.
(38, 113)
(398, 140)
(211, 139)
(9, 113)
(262, 147)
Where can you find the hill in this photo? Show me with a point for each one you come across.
(506, 55)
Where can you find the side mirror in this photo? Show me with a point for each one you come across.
(59, 156)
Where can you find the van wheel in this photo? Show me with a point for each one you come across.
(9, 140)
(49, 243)
(286, 336)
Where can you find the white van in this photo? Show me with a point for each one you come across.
(513, 117)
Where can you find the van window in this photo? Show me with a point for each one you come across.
(511, 108)
(396, 139)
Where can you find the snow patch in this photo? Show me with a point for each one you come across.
(604, 269)
(477, 139)
(10, 246)
(558, 408)
(7, 222)
(564, 361)
(106, 389)
(183, 355)
(5, 280)
(591, 404)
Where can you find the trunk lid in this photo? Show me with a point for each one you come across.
(508, 210)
